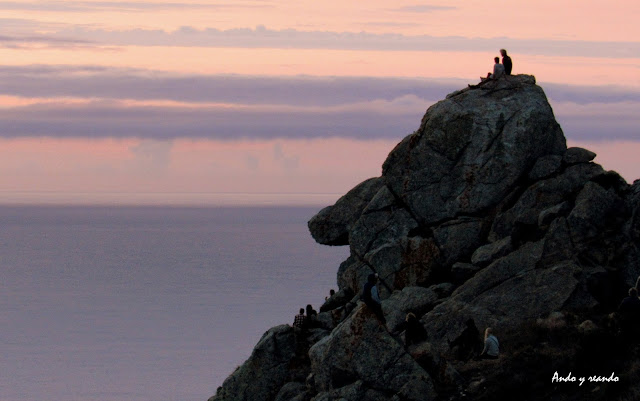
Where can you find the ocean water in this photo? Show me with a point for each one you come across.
(147, 303)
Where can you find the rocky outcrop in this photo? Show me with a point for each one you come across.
(481, 214)
(331, 226)
(352, 355)
(277, 359)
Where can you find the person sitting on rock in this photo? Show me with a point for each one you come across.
(414, 330)
(467, 344)
(498, 72)
(332, 292)
(506, 61)
(371, 297)
(300, 321)
(491, 348)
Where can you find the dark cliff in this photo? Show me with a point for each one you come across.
(483, 214)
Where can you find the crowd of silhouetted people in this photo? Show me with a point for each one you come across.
(466, 346)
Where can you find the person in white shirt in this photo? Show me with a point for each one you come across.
(498, 69)
(498, 72)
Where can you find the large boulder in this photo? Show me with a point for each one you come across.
(541, 196)
(417, 300)
(384, 240)
(510, 291)
(332, 224)
(457, 239)
(594, 208)
(273, 362)
(361, 352)
(472, 149)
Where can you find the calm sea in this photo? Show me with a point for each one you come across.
(147, 303)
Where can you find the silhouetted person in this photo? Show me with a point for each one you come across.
(629, 310)
(332, 292)
(466, 345)
(311, 311)
(506, 62)
(300, 321)
(371, 297)
(312, 317)
(414, 330)
(491, 348)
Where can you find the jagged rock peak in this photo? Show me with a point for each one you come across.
(470, 150)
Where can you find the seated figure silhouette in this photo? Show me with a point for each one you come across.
(466, 345)
(414, 330)
(506, 61)
(371, 297)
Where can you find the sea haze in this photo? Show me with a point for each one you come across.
(147, 303)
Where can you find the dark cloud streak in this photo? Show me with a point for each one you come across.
(96, 121)
(100, 119)
(120, 83)
(35, 41)
(423, 8)
(98, 82)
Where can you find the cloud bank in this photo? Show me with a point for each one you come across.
(54, 81)
(98, 102)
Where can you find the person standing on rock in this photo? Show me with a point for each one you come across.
(300, 321)
(371, 297)
(491, 345)
(506, 62)
(312, 316)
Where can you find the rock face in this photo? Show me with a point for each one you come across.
(351, 355)
(482, 214)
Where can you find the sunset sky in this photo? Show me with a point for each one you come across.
(281, 102)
